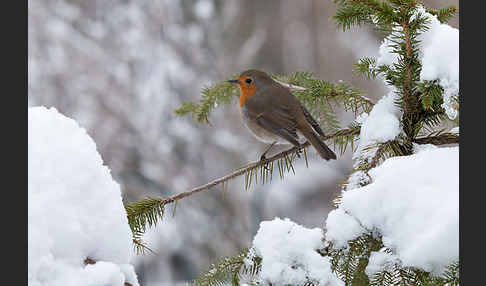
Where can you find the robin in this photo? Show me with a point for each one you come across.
(274, 115)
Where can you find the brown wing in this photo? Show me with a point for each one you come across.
(279, 121)
(312, 121)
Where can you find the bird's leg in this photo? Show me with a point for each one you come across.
(263, 158)
(299, 150)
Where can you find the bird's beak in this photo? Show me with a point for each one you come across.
(233, 80)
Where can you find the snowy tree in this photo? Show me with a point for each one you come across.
(389, 226)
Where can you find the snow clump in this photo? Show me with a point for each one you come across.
(289, 254)
(413, 202)
(75, 209)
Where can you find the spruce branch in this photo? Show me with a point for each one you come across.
(444, 14)
(358, 12)
(212, 96)
(442, 139)
(147, 212)
(451, 274)
(141, 247)
(230, 270)
(368, 67)
(407, 82)
(380, 153)
(420, 101)
(311, 91)
(317, 95)
(391, 148)
(401, 147)
(291, 86)
(431, 95)
(350, 263)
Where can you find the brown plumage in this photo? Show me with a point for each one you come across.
(273, 114)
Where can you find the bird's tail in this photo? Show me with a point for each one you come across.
(324, 151)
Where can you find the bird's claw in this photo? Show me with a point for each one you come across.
(265, 161)
(299, 151)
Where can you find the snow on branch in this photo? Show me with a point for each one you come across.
(413, 201)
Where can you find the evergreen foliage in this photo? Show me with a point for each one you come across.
(322, 98)
(143, 214)
(147, 212)
(420, 102)
(232, 269)
(317, 95)
(350, 263)
(221, 93)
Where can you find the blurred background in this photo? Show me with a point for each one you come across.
(121, 67)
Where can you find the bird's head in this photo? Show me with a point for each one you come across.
(249, 82)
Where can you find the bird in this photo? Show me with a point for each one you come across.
(274, 115)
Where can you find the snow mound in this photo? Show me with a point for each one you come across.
(413, 201)
(289, 255)
(75, 209)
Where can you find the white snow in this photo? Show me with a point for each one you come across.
(420, 147)
(380, 260)
(349, 228)
(413, 201)
(289, 256)
(75, 208)
(386, 57)
(380, 125)
(356, 179)
(454, 130)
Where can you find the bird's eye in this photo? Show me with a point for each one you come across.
(248, 80)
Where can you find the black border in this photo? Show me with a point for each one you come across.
(14, 31)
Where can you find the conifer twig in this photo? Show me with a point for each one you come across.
(377, 157)
(442, 139)
(255, 165)
(148, 211)
(298, 87)
(239, 172)
(290, 86)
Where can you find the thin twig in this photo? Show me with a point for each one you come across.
(442, 139)
(298, 87)
(248, 168)
(408, 69)
(291, 86)
(376, 158)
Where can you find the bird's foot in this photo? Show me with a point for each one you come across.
(265, 161)
(299, 151)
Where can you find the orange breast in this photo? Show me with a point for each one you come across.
(247, 91)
